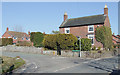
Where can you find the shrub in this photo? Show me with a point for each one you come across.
(94, 48)
(118, 45)
(99, 48)
(23, 43)
(103, 34)
(6, 41)
(85, 44)
(37, 38)
(66, 41)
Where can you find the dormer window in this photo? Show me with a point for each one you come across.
(67, 30)
(91, 28)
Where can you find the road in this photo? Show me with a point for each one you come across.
(37, 63)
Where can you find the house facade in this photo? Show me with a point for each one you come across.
(85, 27)
(116, 39)
(16, 36)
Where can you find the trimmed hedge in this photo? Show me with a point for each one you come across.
(66, 41)
(37, 38)
(23, 43)
(85, 44)
(6, 41)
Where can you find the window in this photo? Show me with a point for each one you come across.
(27, 38)
(92, 38)
(97, 25)
(14, 37)
(67, 30)
(22, 38)
(91, 28)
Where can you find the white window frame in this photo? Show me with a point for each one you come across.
(67, 29)
(9, 37)
(98, 25)
(91, 35)
(89, 27)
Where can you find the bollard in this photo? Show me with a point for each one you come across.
(53, 53)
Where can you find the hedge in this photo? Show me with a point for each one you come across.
(85, 44)
(37, 38)
(6, 41)
(66, 41)
(23, 43)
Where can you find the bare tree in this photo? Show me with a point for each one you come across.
(18, 28)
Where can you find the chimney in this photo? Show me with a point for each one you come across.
(65, 16)
(113, 33)
(7, 29)
(28, 32)
(43, 33)
(106, 10)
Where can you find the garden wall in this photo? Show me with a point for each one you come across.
(66, 53)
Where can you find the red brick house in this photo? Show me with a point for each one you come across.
(17, 36)
(85, 26)
(116, 39)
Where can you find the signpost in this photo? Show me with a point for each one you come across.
(79, 38)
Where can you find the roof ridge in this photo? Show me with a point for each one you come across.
(85, 16)
(16, 31)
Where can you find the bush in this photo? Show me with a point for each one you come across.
(66, 41)
(37, 38)
(23, 43)
(6, 41)
(103, 34)
(118, 45)
(85, 44)
(99, 48)
(94, 48)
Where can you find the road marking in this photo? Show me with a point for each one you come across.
(92, 60)
(66, 68)
(35, 65)
(58, 57)
(76, 65)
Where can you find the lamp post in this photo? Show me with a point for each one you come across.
(79, 38)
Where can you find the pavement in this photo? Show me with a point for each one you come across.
(37, 63)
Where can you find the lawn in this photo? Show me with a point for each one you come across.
(8, 64)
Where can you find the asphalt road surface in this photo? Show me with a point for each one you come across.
(37, 63)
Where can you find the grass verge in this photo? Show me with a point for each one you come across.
(8, 64)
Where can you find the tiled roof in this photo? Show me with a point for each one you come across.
(117, 38)
(17, 34)
(89, 20)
